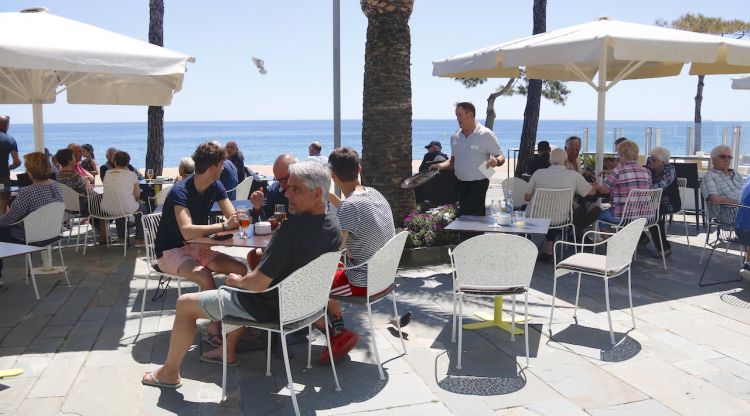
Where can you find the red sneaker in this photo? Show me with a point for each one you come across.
(341, 344)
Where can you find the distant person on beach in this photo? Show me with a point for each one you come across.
(305, 236)
(434, 155)
(314, 151)
(89, 163)
(471, 146)
(110, 164)
(185, 216)
(185, 168)
(77, 155)
(541, 159)
(8, 148)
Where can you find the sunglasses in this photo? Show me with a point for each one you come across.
(726, 157)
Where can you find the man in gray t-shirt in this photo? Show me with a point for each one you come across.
(472, 145)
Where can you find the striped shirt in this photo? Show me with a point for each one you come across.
(367, 217)
(623, 179)
(29, 199)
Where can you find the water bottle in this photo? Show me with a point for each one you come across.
(509, 203)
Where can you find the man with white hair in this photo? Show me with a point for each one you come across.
(721, 185)
(557, 176)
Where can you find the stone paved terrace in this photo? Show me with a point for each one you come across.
(689, 355)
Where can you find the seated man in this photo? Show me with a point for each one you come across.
(314, 151)
(185, 217)
(110, 164)
(541, 159)
(366, 224)
(557, 177)
(306, 235)
(721, 185)
(434, 155)
(742, 228)
(185, 168)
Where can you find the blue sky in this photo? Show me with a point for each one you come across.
(294, 38)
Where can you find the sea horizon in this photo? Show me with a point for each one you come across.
(262, 140)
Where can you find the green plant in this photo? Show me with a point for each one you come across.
(427, 229)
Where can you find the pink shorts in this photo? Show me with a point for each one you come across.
(171, 260)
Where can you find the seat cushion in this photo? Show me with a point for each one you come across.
(587, 263)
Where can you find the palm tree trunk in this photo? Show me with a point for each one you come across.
(533, 99)
(155, 146)
(698, 118)
(386, 104)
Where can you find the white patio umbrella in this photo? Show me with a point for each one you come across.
(741, 83)
(42, 55)
(611, 49)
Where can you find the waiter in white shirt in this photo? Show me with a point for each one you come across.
(471, 146)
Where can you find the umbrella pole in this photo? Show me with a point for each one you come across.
(38, 126)
(600, 108)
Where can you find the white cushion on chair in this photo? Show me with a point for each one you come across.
(586, 263)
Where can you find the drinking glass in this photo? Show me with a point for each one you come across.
(495, 212)
(149, 174)
(519, 218)
(279, 213)
(244, 219)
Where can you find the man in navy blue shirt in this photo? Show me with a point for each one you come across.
(742, 227)
(8, 147)
(185, 217)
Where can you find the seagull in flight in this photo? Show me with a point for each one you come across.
(260, 65)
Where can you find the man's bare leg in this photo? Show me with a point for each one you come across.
(233, 338)
(225, 264)
(253, 257)
(183, 332)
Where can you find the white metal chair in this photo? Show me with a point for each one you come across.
(492, 265)
(381, 277)
(615, 262)
(72, 201)
(303, 299)
(518, 187)
(641, 203)
(43, 228)
(96, 212)
(242, 190)
(685, 194)
(726, 233)
(150, 227)
(555, 204)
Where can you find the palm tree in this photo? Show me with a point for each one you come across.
(533, 99)
(386, 104)
(155, 146)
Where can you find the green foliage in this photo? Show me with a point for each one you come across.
(427, 229)
(555, 91)
(705, 24)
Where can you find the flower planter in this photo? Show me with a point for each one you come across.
(425, 256)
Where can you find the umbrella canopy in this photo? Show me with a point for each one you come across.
(42, 55)
(602, 53)
(741, 83)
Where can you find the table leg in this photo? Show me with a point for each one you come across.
(495, 320)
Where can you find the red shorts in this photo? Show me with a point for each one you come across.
(342, 287)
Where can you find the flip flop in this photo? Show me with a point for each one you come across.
(154, 382)
(213, 340)
(218, 361)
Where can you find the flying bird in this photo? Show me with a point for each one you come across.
(260, 65)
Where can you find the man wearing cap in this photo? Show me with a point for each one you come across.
(541, 159)
(434, 155)
(472, 146)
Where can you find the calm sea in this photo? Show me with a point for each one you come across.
(262, 141)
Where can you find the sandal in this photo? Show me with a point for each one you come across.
(216, 360)
(149, 379)
(212, 340)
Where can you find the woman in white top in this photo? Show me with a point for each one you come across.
(122, 193)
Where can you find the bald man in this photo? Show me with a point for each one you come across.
(8, 148)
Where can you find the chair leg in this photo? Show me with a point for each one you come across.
(62, 261)
(460, 327)
(453, 327)
(609, 315)
(578, 292)
(661, 245)
(630, 297)
(374, 343)
(526, 324)
(223, 363)
(288, 373)
(33, 278)
(513, 318)
(143, 302)
(86, 237)
(268, 353)
(309, 344)
(552, 307)
(330, 356)
(179, 287)
(397, 320)
(687, 236)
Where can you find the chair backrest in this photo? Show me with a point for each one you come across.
(150, 227)
(44, 223)
(243, 189)
(382, 266)
(162, 195)
(494, 261)
(306, 291)
(642, 203)
(555, 204)
(621, 246)
(71, 198)
(95, 197)
(519, 187)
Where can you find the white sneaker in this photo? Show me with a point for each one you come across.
(745, 272)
